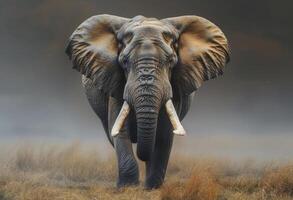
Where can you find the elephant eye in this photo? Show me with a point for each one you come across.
(168, 37)
(171, 40)
(127, 38)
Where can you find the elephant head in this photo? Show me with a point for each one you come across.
(142, 60)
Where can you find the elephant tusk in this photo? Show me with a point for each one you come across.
(178, 128)
(120, 119)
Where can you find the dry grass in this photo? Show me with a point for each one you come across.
(202, 185)
(279, 181)
(75, 173)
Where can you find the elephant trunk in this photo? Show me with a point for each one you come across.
(148, 95)
(147, 90)
(146, 131)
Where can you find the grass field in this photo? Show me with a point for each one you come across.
(75, 173)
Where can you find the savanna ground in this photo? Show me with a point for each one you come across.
(75, 173)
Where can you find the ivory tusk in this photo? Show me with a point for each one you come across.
(120, 119)
(178, 128)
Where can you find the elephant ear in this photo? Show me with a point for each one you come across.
(202, 51)
(93, 49)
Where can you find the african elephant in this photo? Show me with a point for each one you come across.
(139, 76)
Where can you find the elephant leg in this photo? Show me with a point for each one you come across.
(156, 167)
(127, 165)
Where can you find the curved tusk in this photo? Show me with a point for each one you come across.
(120, 119)
(178, 128)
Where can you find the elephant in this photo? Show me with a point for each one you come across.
(140, 75)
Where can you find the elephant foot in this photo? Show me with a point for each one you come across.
(128, 175)
(127, 183)
(153, 183)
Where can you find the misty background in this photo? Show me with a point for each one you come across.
(247, 111)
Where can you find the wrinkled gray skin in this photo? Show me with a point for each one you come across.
(145, 61)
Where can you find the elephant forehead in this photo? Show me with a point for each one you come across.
(142, 26)
(147, 30)
(147, 26)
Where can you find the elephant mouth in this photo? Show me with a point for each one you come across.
(170, 109)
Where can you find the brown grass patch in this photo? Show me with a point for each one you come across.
(202, 185)
(279, 180)
(76, 173)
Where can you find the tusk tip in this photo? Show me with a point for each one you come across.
(120, 119)
(179, 132)
(114, 133)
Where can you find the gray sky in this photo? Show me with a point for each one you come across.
(41, 95)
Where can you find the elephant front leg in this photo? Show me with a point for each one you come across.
(157, 166)
(127, 165)
(128, 169)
